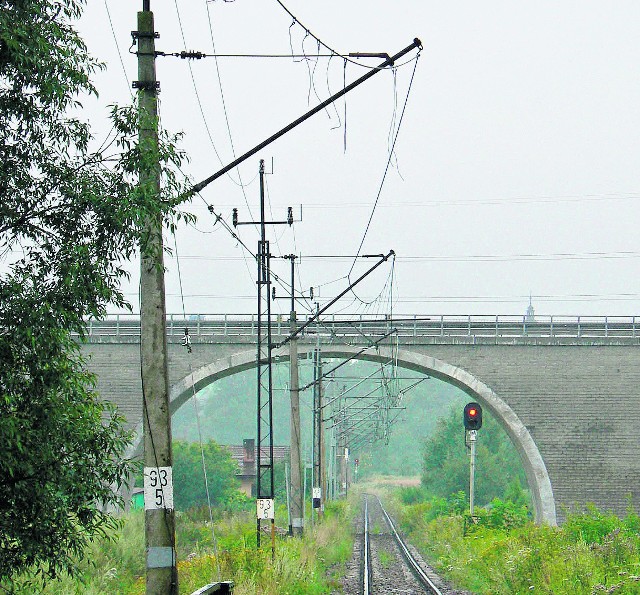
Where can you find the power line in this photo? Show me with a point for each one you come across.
(386, 169)
(533, 256)
(115, 39)
(516, 200)
(347, 57)
(421, 299)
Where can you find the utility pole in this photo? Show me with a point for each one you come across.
(264, 459)
(264, 462)
(297, 501)
(319, 479)
(162, 576)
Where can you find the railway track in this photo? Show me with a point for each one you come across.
(388, 564)
(384, 563)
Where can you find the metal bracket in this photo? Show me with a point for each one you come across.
(146, 85)
(139, 35)
(161, 557)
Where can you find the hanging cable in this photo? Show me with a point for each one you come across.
(187, 344)
(115, 39)
(386, 169)
(308, 33)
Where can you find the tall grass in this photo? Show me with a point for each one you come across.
(593, 552)
(311, 565)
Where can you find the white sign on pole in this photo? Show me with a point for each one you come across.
(266, 509)
(158, 488)
(317, 492)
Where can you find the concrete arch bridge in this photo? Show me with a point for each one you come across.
(564, 389)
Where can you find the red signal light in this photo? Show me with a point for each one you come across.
(472, 416)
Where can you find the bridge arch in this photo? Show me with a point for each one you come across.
(535, 469)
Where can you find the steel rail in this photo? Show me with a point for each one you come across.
(413, 564)
(366, 574)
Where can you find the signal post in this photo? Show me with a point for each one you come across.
(472, 418)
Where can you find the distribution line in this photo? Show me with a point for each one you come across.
(187, 345)
(386, 169)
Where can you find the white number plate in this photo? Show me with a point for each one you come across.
(158, 488)
(266, 508)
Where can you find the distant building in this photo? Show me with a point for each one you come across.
(530, 316)
(245, 456)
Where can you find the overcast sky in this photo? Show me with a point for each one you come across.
(515, 170)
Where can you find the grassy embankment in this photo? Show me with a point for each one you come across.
(311, 565)
(506, 554)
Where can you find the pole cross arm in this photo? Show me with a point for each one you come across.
(335, 299)
(388, 62)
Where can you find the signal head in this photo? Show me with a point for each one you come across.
(472, 416)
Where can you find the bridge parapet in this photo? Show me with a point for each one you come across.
(440, 329)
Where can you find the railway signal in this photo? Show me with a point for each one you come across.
(472, 416)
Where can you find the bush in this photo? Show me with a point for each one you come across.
(591, 526)
(412, 495)
(501, 514)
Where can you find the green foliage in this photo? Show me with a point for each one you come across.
(234, 398)
(594, 552)
(68, 218)
(591, 526)
(311, 565)
(111, 565)
(190, 488)
(425, 404)
(412, 495)
(499, 514)
(446, 464)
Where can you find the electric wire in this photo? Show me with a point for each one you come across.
(404, 107)
(308, 33)
(115, 39)
(198, 99)
(224, 107)
(497, 201)
(422, 299)
(197, 412)
(531, 256)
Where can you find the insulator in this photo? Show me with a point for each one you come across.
(235, 218)
(290, 215)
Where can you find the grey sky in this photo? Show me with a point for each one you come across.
(518, 153)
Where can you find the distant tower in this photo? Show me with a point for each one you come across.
(530, 316)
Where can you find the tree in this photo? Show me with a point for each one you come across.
(445, 467)
(188, 473)
(69, 217)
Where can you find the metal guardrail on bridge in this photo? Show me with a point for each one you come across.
(209, 325)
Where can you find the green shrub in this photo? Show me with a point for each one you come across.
(591, 526)
(412, 495)
(501, 514)
(593, 553)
